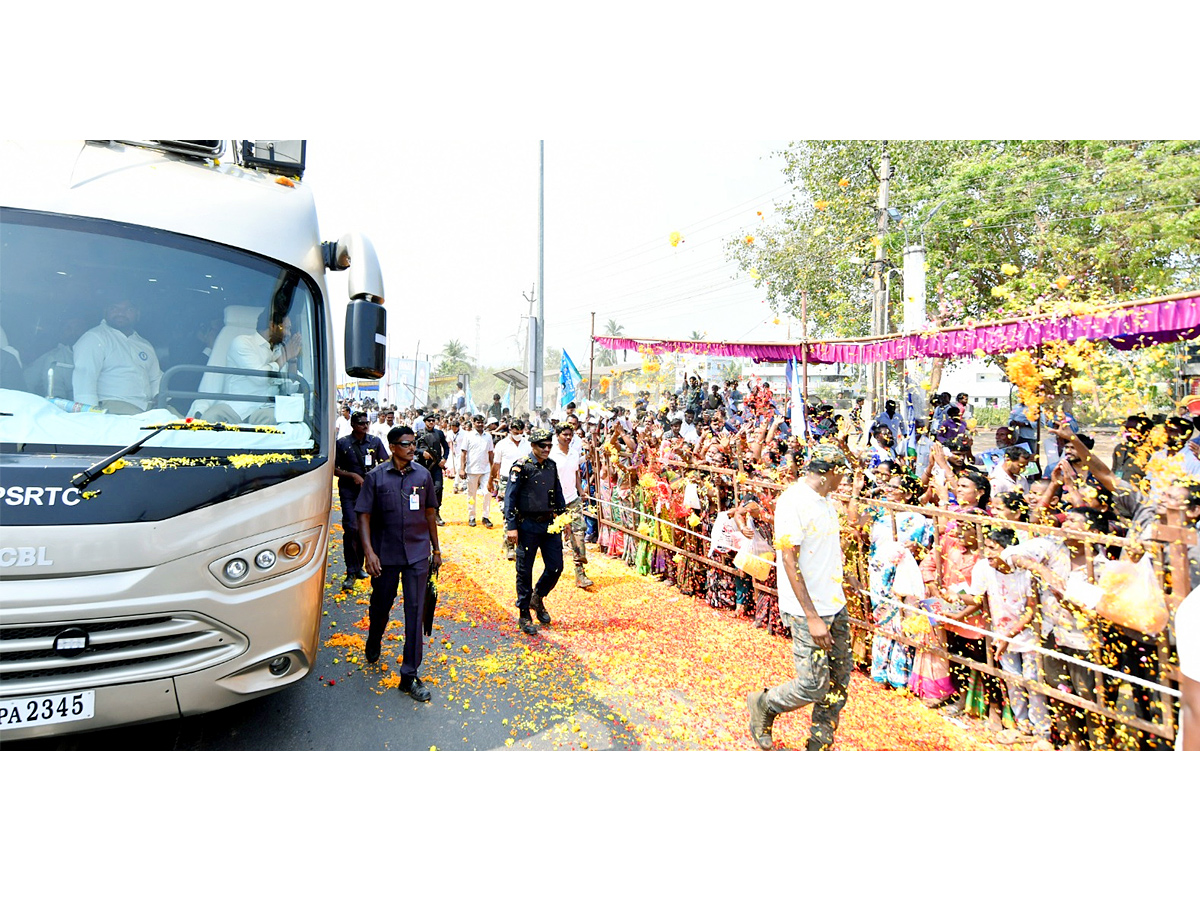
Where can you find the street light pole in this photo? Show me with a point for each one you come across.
(540, 352)
(875, 384)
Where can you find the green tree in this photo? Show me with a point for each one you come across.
(1007, 226)
(607, 356)
(454, 358)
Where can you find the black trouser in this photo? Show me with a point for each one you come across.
(414, 579)
(352, 547)
(436, 472)
(528, 544)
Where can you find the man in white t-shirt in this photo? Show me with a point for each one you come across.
(566, 459)
(384, 424)
(811, 603)
(509, 451)
(476, 458)
(342, 426)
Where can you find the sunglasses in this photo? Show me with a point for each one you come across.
(405, 443)
(543, 444)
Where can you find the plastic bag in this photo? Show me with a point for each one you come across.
(1132, 597)
(755, 557)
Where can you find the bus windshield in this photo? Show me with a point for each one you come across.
(108, 328)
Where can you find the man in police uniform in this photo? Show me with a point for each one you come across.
(533, 498)
(355, 456)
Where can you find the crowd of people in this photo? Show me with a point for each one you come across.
(687, 490)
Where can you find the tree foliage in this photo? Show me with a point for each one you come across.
(606, 356)
(454, 358)
(1007, 225)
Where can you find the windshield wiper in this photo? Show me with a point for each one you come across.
(90, 474)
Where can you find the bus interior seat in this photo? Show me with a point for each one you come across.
(238, 320)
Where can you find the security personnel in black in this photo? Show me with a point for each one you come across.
(432, 449)
(533, 498)
(355, 455)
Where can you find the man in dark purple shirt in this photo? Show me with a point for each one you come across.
(397, 519)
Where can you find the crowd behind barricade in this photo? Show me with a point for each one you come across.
(1013, 584)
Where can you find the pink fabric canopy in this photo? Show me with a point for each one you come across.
(1156, 321)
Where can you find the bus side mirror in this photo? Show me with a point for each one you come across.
(366, 339)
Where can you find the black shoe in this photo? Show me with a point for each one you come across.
(348, 586)
(487, 523)
(526, 623)
(416, 689)
(440, 522)
(539, 609)
(372, 651)
(471, 522)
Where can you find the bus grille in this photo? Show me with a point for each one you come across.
(137, 649)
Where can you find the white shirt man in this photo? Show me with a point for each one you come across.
(567, 463)
(806, 526)
(114, 364)
(385, 423)
(1002, 477)
(510, 450)
(254, 351)
(689, 433)
(811, 521)
(476, 458)
(342, 426)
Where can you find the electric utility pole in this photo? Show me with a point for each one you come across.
(535, 389)
(876, 382)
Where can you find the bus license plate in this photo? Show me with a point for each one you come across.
(49, 709)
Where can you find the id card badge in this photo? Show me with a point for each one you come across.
(414, 502)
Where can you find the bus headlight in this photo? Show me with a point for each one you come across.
(244, 566)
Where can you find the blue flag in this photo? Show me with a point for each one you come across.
(568, 379)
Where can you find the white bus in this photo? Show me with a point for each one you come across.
(148, 573)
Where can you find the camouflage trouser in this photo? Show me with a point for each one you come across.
(573, 536)
(822, 679)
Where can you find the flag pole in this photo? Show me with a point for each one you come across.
(592, 358)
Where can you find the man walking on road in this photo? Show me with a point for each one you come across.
(811, 603)
(355, 456)
(534, 497)
(398, 521)
(509, 451)
(477, 455)
(570, 478)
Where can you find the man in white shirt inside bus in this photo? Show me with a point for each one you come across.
(509, 451)
(812, 604)
(270, 349)
(115, 367)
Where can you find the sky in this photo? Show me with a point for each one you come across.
(455, 226)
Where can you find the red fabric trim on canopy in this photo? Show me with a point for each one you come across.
(1156, 321)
